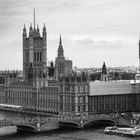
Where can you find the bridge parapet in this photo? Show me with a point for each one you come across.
(83, 121)
(4, 123)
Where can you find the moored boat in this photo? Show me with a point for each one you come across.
(134, 131)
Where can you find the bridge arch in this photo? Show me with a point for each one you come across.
(50, 125)
(69, 123)
(26, 127)
(99, 121)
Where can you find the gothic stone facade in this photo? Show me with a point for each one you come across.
(34, 53)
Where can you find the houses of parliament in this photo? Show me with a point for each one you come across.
(58, 88)
(47, 89)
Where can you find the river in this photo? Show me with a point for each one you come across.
(94, 133)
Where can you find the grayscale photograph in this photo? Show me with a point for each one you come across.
(69, 69)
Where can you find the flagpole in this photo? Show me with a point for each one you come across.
(139, 67)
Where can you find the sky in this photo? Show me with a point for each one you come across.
(93, 31)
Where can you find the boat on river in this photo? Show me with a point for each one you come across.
(127, 131)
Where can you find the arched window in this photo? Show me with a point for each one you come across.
(34, 56)
(40, 56)
(37, 56)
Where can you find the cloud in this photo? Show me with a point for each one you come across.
(91, 43)
(88, 27)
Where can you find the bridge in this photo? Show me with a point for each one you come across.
(39, 124)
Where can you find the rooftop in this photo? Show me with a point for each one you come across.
(110, 87)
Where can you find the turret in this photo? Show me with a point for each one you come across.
(24, 35)
(30, 30)
(34, 19)
(44, 32)
(24, 30)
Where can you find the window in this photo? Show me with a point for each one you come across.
(34, 56)
(73, 108)
(78, 108)
(37, 56)
(84, 108)
(78, 99)
(84, 99)
(73, 99)
(40, 56)
(81, 89)
(86, 88)
(61, 98)
(27, 56)
(78, 89)
(61, 107)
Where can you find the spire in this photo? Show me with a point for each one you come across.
(44, 32)
(104, 64)
(34, 18)
(60, 41)
(37, 28)
(60, 49)
(24, 29)
(30, 26)
(104, 71)
(44, 28)
(139, 46)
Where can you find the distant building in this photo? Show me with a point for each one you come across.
(137, 76)
(135, 84)
(113, 97)
(104, 75)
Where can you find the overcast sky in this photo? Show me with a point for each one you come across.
(92, 31)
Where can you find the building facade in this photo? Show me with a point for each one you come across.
(74, 96)
(117, 103)
(113, 97)
(30, 97)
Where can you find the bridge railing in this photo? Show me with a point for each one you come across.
(5, 123)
